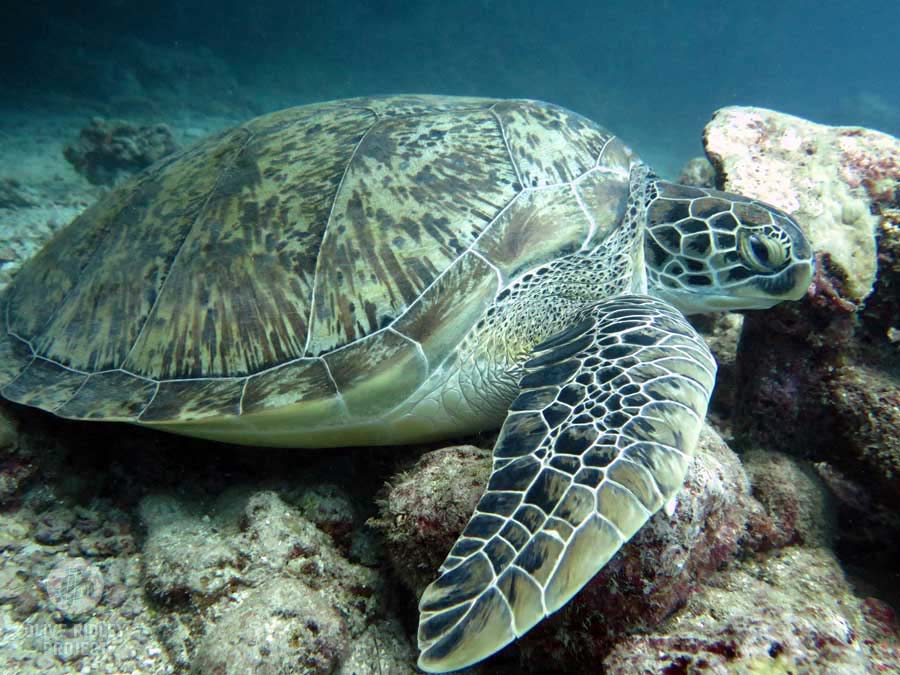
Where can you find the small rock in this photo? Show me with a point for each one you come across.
(331, 509)
(54, 526)
(108, 151)
(794, 497)
(425, 509)
(15, 196)
(698, 171)
(280, 628)
(185, 558)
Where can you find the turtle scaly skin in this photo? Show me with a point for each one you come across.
(399, 269)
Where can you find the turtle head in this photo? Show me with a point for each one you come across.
(708, 250)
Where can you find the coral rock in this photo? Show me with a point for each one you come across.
(796, 501)
(791, 611)
(426, 508)
(280, 628)
(109, 150)
(651, 576)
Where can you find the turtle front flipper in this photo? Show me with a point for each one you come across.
(598, 439)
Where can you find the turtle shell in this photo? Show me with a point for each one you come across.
(321, 260)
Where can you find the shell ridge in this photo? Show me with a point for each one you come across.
(315, 283)
(175, 258)
(509, 151)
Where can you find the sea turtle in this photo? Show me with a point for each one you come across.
(396, 269)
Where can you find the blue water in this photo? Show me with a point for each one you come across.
(653, 71)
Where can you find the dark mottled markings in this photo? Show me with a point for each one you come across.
(46, 382)
(194, 399)
(693, 226)
(515, 534)
(574, 440)
(462, 583)
(547, 490)
(565, 463)
(725, 221)
(110, 395)
(565, 336)
(500, 503)
(666, 211)
(265, 216)
(14, 355)
(434, 191)
(81, 300)
(514, 475)
(304, 380)
(561, 352)
(550, 144)
(500, 553)
(466, 547)
(535, 399)
(440, 623)
(557, 373)
(524, 434)
(696, 245)
(530, 517)
(556, 414)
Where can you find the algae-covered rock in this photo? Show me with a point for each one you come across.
(796, 501)
(828, 178)
(108, 151)
(788, 612)
(425, 508)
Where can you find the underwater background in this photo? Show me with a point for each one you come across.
(650, 71)
(783, 555)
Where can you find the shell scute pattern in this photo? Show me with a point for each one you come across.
(194, 399)
(550, 144)
(385, 224)
(112, 394)
(519, 240)
(406, 212)
(367, 392)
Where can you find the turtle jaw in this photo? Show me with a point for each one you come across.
(759, 292)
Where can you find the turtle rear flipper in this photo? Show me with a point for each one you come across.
(598, 439)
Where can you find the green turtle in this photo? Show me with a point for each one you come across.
(398, 269)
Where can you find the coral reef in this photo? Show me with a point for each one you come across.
(107, 151)
(820, 379)
(248, 584)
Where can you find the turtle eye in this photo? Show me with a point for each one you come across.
(762, 253)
